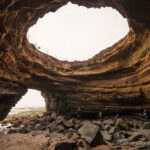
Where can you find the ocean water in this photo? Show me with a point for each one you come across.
(17, 110)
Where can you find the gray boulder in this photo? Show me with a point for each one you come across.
(121, 125)
(91, 133)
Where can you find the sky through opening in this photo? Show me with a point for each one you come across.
(77, 33)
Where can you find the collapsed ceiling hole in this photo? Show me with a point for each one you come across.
(32, 99)
(77, 33)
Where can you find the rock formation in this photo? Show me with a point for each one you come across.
(116, 79)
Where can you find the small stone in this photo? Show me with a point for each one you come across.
(99, 123)
(107, 127)
(22, 130)
(45, 145)
(112, 130)
(109, 121)
(67, 125)
(106, 135)
(60, 128)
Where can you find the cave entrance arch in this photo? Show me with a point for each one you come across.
(77, 33)
(31, 101)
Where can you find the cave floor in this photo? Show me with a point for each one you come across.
(19, 141)
(33, 133)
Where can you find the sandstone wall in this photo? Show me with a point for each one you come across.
(116, 79)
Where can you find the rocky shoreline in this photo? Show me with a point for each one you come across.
(124, 133)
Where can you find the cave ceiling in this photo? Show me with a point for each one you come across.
(116, 79)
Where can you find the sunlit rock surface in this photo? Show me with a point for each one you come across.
(116, 79)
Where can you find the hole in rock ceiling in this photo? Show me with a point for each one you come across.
(32, 101)
(77, 33)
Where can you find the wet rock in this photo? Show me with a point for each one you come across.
(90, 132)
(146, 125)
(121, 125)
(45, 145)
(106, 135)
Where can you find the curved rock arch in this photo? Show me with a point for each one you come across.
(116, 79)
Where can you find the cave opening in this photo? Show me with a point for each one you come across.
(31, 102)
(77, 33)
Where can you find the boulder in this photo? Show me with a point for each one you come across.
(54, 124)
(146, 125)
(91, 133)
(121, 125)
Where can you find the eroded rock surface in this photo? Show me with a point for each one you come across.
(116, 79)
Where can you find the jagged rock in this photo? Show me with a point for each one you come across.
(70, 132)
(134, 137)
(61, 142)
(90, 132)
(110, 122)
(118, 77)
(99, 123)
(106, 135)
(112, 130)
(119, 135)
(81, 144)
(60, 128)
(146, 125)
(121, 125)
(107, 127)
(67, 125)
(54, 124)
(45, 145)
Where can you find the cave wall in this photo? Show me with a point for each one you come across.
(116, 79)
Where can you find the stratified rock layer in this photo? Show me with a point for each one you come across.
(116, 79)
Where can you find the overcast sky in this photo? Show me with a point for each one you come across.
(74, 33)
